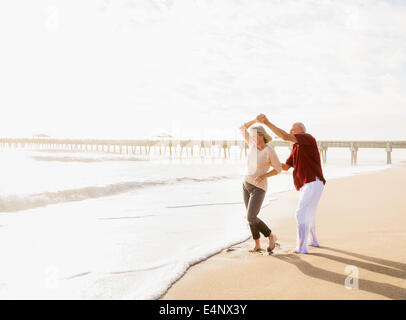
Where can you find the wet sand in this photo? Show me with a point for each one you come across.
(361, 227)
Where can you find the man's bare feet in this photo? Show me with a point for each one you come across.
(314, 244)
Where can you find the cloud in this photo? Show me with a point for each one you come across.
(107, 66)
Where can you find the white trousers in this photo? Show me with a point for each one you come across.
(310, 195)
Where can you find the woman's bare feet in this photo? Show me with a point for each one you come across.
(272, 240)
(257, 246)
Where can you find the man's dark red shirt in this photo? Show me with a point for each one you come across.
(305, 160)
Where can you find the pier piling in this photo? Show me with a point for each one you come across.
(205, 147)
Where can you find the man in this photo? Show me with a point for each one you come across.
(307, 177)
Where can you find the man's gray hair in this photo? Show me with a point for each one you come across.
(300, 125)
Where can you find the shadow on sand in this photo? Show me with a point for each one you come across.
(385, 289)
(393, 264)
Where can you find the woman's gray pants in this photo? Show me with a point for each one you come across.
(253, 198)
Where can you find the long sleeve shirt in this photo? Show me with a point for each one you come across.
(259, 161)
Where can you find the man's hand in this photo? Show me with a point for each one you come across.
(279, 132)
(285, 167)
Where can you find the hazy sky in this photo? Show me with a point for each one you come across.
(129, 69)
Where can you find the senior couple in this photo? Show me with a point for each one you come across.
(307, 178)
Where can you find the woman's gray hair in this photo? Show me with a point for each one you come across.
(259, 130)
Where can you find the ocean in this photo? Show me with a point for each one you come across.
(92, 225)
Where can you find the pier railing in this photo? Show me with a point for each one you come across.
(185, 148)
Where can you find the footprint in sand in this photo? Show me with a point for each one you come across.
(233, 248)
(280, 248)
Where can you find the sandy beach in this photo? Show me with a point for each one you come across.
(361, 222)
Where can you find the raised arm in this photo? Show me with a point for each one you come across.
(278, 131)
(244, 132)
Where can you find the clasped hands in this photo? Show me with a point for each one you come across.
(261, 118)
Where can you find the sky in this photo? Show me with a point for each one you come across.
(200, 68)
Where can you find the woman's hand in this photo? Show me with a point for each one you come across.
(259, 179)
(261, 118)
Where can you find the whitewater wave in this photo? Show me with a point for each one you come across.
(18, 202)
(86, 159)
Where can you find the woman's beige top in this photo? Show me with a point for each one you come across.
(259, 161)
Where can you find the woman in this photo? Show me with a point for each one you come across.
(260, 157)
